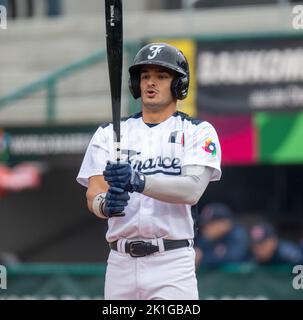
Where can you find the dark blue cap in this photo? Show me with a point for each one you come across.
(262, 231)
(215, 211)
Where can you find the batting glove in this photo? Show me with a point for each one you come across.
(115, 202)
(122, 175)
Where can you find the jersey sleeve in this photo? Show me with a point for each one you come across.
(202, 147)
(95, 158)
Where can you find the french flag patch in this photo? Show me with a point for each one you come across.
(177, 137)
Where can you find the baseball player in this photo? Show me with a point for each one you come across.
(167, 162)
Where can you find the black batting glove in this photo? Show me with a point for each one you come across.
(115, 202)
(121, 175)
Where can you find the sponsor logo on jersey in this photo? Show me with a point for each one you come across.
(210, 147)
(155, 50)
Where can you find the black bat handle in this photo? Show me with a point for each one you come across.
(114, 41)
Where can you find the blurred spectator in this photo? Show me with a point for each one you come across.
(220, 239)
(267, 248)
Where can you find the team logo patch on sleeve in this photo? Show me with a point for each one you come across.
(210, 147)
(177, 137)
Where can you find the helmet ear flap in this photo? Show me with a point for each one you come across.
(179, 87)
(134, 86)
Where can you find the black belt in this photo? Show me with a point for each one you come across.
(143, 248)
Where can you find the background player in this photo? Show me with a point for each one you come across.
(168, 161)
(221, 239)
(268, 248)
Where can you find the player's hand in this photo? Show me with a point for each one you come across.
(115, 202)
(121, 175)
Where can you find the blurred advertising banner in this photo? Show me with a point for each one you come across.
(238, 136)
(43, 143)
(247, 74)
(22, 176)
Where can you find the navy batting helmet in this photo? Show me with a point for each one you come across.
(164, 55)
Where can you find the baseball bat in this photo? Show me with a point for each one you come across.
(114, 43)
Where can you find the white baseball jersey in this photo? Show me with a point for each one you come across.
(161, 149)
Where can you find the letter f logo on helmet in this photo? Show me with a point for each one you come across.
(155, 49)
